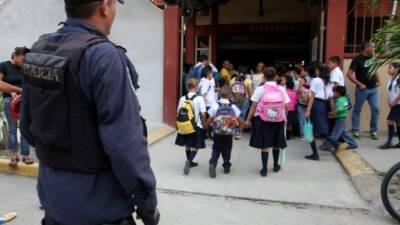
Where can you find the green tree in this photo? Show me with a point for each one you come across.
(387, 38)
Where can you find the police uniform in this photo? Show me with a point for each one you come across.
(81, 113)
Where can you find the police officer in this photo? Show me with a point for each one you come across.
(80, 111)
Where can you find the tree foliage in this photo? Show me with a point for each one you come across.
(387, 40)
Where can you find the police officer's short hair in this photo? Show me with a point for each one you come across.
(82, 10)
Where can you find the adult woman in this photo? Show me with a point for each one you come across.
(10, 85)
(317, 108)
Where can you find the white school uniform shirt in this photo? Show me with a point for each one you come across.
(214, 108)
(199, 106)
(258, 93)
(207, 87)
(321, 91)
(395, 90)
(257, 80)
(337, 76)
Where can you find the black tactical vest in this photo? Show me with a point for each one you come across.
(60, 118)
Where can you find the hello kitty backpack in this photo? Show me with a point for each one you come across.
(271, 107)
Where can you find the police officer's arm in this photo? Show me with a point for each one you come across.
(120, 125)
(24, 120)
(8, 88)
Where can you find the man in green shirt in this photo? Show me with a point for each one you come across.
(340, 114)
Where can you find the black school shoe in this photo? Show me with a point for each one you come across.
(194, 164)
(312, 157)
(264, 172)
(397, 146)
(227, 170)
(212, 172)
(277, 168)
(386, 146)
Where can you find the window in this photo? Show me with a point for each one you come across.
(363, 22)
(203, 46)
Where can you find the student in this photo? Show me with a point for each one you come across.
(303, 93)
(258, 77)
(194, 140)
(207, 86)
(207, 89)
(336, 75)
(393, 118)
(317, 109)
(340, 114)
(268, 108)
(292, 118)
(242, 90)
(225, 118)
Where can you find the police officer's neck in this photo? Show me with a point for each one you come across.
(100, 24)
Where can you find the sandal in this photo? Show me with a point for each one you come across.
(14, 162)
(27, 161)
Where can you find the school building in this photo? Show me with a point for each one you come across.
(242, 31)
(247, 32)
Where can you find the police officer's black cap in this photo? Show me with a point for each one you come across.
(78, 2)
(21, 50)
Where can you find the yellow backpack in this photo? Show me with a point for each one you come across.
(186, 121)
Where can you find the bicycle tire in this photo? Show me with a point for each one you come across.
(385, 190)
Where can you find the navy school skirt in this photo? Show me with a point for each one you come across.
(394, 113)
(319, 117)
(195, 140)
(267, 134)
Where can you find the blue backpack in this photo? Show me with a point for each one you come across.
(196, 72)
(225, 122)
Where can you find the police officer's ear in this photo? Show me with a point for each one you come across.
(107, 8)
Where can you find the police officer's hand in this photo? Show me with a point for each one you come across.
(149, 216)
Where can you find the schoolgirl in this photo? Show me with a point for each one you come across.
(303, 93)
(193, 141)
(268, 129)
(258, 77)
(317, 108)
(393, 118)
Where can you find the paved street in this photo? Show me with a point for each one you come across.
(303, 193)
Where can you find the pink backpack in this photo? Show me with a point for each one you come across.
(271, 107)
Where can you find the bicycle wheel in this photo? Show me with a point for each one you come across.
(390, 191)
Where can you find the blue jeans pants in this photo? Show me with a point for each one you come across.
(370, 95)
(340, 131)
(301, 110)
(12, 131)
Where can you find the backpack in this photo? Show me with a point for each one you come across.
(186, 121)
(271, 108)
(225, 122)
(238, 92)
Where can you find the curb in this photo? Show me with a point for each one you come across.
(32, 170)
(363, 176)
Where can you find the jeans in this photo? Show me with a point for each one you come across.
(371, 95)
(12, 130)
(301, 111)
(244, 108)
(340, 131)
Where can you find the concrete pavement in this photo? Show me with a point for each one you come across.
(301, 181)
(380, 160)
(304, 192)
(183, 209)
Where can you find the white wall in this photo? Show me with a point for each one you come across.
(138, 27)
